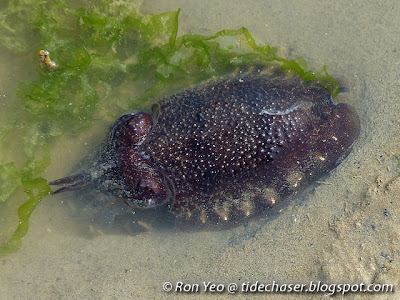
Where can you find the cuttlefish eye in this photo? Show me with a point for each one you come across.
(149, 192)
(132, 129)
(144, 184)
(139, 126)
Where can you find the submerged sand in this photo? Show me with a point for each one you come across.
(346, 230)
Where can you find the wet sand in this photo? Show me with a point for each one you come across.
(346, 230)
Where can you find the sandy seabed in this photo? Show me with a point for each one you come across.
(345, 231)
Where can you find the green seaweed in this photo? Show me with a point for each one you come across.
(99, 51)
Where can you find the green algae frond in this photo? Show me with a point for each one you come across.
(100, 51)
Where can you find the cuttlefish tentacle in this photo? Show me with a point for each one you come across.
(73, 182)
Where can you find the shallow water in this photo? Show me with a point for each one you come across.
(346, 230)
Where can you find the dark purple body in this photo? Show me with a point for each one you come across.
(227, 150)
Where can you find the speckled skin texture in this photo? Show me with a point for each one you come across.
(226, 150)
